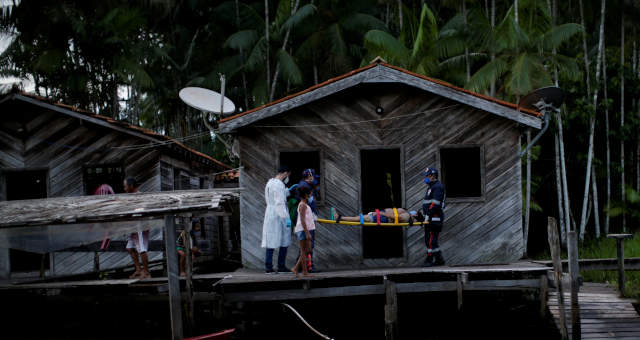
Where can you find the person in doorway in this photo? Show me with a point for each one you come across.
(303, 229)
(311, 181)
(276, 228)
(137, 243)
(194, 234)
(433, 208)
(387, 215)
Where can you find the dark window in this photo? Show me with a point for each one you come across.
(97, 175)
(300, 161)
(381, 188)
(23, 185)
(461, 171)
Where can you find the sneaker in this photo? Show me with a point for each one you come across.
(284, 271)
(269, 271)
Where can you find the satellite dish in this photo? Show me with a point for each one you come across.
(542, 98)
(206, 100)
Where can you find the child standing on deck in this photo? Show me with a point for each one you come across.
(304, 225)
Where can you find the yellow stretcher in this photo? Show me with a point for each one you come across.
(374, 224)
(371, 224)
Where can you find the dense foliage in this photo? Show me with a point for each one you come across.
(128, 59)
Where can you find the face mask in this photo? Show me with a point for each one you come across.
(427, 180)
(286, 180)
(311, 199)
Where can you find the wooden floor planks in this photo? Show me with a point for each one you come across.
(603, 314)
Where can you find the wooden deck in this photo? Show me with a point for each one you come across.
(603, 314)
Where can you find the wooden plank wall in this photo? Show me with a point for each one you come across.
(487, 230)
(36, 138)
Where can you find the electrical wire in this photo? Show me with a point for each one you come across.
(306, 323)
(358, 121)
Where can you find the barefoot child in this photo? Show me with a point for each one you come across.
(304, 224)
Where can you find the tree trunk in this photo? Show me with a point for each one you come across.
(493, 53)
(466, 47)
(622, 181)
(563, 231)
(596, 213)
(565, 185)
(400, 14)
(244, 76)
(528, 195)
(592, 124)
(266, 34)
(515, 7)
(606, 118)
(284, 46)
(585, 51)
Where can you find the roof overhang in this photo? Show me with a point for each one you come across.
(383, 73)
(113, 124)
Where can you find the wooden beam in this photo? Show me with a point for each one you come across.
(544, 295)
(556, 251)
(620, 247)
(174, 279)
(379, 289)
(574, 272)
(390, 310)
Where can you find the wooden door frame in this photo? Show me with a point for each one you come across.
(401, 149)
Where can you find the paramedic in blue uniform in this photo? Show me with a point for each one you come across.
(310, 180)
(433, 207)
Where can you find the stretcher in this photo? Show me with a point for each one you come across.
(371, 224)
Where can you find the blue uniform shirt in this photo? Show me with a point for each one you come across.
(434, 200)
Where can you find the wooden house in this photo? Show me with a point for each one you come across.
(49, 149)
(369, 134)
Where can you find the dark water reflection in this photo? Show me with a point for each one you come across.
(421, 316)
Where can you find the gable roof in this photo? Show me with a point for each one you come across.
(111, 123)
(383, 73)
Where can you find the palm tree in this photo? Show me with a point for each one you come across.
(523, 54)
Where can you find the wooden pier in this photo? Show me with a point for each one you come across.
(603, 314)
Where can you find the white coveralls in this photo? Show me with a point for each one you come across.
(275, 233)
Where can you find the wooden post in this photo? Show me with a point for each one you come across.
(544, 294)
(188, 272)
(554, 245)
(620, 245)
(96, 261)
(462, 278)
(226, 232)
(390, 310)
(574, 273)
(173, 278)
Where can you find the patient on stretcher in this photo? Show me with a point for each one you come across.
(387, 215)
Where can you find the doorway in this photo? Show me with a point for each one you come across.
(24, 185)
(381, 181)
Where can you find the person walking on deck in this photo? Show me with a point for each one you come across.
(137, 243)
(433, 208)
(276, 229)
(304, 227)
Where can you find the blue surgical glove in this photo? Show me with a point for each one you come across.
(288, 221)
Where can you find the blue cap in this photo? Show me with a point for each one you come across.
(309, 172)
(430, 171)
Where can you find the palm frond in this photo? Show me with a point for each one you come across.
(242, 40)
(338, 45)
(289, 68)
(302, 14)
(257, 55)
(427, 33)
(492, 71)
(560, 34)
(387, 46)
(361, 22)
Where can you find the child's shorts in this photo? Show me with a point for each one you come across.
(301, 235)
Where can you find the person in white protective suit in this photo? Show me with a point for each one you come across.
(276, 230)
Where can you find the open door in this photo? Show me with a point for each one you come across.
(381, 188)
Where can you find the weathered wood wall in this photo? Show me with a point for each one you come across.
(482, 230)
(32, 137)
